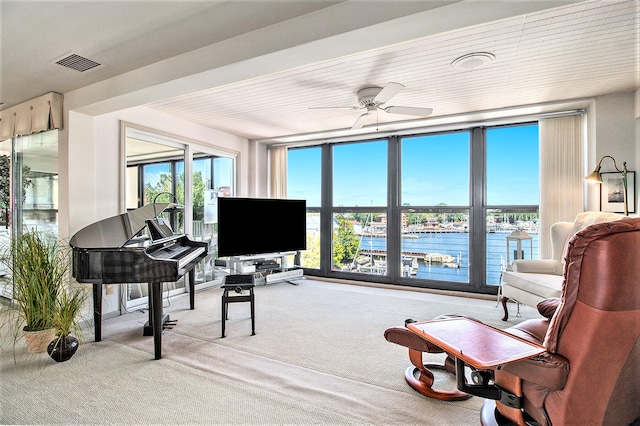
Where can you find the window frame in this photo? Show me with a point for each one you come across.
(477, 211)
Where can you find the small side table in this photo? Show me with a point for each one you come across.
(239, 296)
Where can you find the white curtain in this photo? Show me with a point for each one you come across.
(278, 172)
(561, 174)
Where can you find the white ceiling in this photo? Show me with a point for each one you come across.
(572, 51)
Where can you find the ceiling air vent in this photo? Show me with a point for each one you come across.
(77, 62)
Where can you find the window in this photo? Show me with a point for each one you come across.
(359, 235)
(513, 166)
(512, 195)
(435, 176)
(435, 170)
(304, 175)
(429, 210)
(304, 182)
(155, 171)
(360, 174)
(28, 190)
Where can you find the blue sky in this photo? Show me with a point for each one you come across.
(435, 169)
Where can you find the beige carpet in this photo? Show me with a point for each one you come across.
(319, 357)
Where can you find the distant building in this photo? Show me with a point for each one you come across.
(383, 219)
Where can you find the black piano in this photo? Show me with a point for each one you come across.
(115, 251)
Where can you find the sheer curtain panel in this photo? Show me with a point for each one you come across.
(561, 174)
(278, 172)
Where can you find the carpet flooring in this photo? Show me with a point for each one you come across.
(318, 357)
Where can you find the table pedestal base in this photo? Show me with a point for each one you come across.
(420, 378)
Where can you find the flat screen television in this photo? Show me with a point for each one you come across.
(253, 226)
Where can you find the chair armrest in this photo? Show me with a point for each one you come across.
(537, 266)
(547, 307)
(547, 370)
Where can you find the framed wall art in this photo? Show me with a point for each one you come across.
(611, 192)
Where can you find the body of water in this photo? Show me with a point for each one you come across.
(456, 244)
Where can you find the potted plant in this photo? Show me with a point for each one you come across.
(66, 318)
(39, 272)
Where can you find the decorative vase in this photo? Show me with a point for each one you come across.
(37, 341)
(61, 349)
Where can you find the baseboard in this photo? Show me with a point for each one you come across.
(406, 288)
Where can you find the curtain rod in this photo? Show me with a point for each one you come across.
(462, 125)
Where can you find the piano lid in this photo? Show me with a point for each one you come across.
(116, 232)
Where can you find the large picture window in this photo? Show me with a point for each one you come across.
(431, 210)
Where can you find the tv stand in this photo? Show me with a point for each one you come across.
(268, 268)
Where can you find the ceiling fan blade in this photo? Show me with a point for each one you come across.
(388, 92)
(360, 121)
(420, 112)
(337, 107)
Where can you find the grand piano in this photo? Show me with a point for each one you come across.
(117, 250)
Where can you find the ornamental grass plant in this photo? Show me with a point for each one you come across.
(68, 311)
(39, 268)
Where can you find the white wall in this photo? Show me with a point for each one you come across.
(616, 132)
(94, 158)
(90, 162)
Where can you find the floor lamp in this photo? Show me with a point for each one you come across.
(596, 177)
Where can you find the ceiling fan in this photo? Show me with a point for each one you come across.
(372, 99)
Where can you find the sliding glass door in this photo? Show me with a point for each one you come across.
(28, 190)
(162, 168)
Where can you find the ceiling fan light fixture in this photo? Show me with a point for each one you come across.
(472, 61)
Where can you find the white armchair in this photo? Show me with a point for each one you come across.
(530, 281)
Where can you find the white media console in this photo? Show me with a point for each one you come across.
(269, 268)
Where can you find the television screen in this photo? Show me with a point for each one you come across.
(250, 226)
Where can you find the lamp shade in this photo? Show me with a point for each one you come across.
(594, 177)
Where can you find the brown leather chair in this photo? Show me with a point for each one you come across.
(590, 372)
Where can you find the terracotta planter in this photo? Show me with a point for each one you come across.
(37, 341)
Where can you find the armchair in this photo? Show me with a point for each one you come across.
(583, 362)
(529, 281)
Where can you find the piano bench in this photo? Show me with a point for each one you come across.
(238, 289)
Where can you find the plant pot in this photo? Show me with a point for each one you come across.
(63, 348)
(37, 341)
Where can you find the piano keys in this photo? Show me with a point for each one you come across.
(112, 251)
(184, 254)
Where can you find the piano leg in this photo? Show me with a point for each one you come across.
(157, 320)
(192, 288)
(97, 312)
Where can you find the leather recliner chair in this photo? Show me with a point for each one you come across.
(590, 372)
